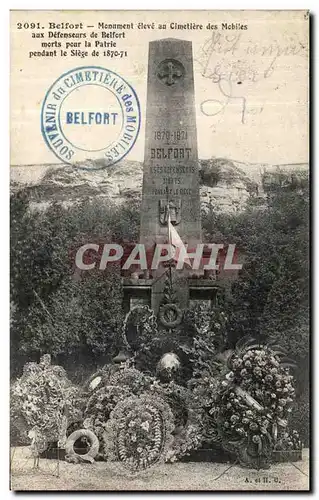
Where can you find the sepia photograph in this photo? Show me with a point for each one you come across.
(159, 250)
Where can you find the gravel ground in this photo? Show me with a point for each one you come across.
(195, 476)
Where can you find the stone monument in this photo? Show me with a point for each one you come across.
(171, 160)
(170, 175)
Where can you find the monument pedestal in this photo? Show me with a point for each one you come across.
(146, 292)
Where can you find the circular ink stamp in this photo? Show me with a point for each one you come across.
(90, 116)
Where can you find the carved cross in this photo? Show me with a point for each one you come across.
(170, 73)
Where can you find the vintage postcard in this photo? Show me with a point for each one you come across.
(159, 250)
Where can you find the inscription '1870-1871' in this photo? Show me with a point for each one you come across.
(168, 135)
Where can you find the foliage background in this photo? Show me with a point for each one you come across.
(269, 301)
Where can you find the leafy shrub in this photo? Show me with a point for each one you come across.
(43, 283)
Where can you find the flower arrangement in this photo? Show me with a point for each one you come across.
(132, 379)
(141, 337)
(207, 330)
(288, 448)
(100, 405)
(188, 418)
(254, 401)
(100, 378)
(126, 381)
(240, 399)
(139, 433)
(43, 401)
(289, 441)
(204, 391)
(121, 384)
(140, 325)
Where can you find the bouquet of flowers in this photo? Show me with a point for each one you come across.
(254, 401)
(188, 418)
(289, 441)
(121, 384)
(100, 405)
(43, 401)
(139, 432)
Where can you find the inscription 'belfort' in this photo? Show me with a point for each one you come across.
(180, 183)
(171, 153)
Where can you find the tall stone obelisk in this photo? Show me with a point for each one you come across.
(170, 176)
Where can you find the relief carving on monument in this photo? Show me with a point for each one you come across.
(170, 71)
(174, 207)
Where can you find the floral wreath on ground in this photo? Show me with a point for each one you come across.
(188, 418)
(131, 378)
(100, 378)
(122, 383)
(100, 405)
(254, 401)
(138, 434)
(43, 401)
